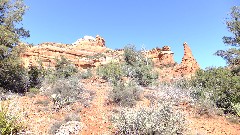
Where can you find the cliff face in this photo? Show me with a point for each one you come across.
(90, 52)
(81, 53)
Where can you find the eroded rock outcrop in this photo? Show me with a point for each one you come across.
(189, 64)
(161, 56)
(163, 59)
(90, 52)
(90, 41)
(81, 53)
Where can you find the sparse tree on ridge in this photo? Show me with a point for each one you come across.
(11, 15)
(232, 55)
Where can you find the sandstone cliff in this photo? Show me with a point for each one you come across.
(81, 53)
(91, 52)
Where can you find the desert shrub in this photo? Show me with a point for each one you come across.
(139, 67)
(111, 72)
(50, 77)
(149, 121)
(36, 76)
(145, 75)
(34, 90)
(125, 94)
(96, 56)
(64, 68)
(87, 74)
(8, 124)
(56, 126)
(220, 84)
(65, 91)
(236, 108)
(207, 107)
(135, 66)
(13, 76)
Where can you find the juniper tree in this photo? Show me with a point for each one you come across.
(11, 15)
(13, 76)
(232, 55)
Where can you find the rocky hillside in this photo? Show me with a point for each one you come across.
(90, 52)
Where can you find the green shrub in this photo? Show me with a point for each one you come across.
(125, 94)
(13, 76)
(64, 68)
(135, 66)
(65, 91)
(8, 123)
(221, 84)
(36, 76)
(236, 107)
(96, 56)
(138, 67)
(145, 75)
(34, 90)
(111, 72)
(149, 121)
(86, 75)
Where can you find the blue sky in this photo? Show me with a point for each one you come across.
(144, 23)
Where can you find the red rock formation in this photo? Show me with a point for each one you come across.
(100, 41)
(168, 68)
(189, 64)
(85, 52)
(161, 57)
(166, 56)
(90, 41)
(79, 53)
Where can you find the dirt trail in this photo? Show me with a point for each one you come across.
(95, 117)
(215, 125)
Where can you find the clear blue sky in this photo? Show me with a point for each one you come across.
(148, 23)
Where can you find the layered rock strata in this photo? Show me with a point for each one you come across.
(91, 52)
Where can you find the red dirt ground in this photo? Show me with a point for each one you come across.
(95, 118)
